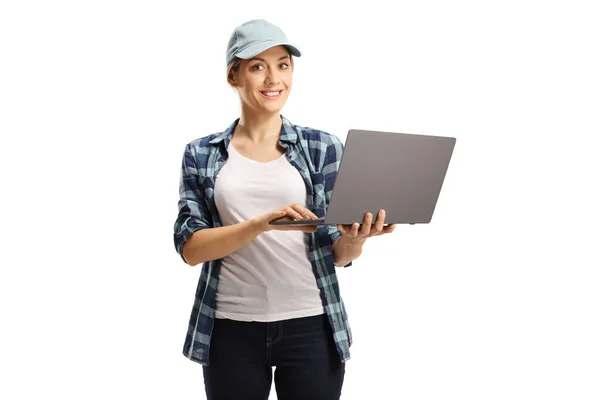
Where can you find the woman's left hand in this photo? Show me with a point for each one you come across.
(360, 233)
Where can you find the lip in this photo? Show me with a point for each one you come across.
(262, 92)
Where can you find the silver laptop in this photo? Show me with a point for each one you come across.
(399, 172)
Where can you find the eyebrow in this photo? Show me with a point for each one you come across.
(263, 60)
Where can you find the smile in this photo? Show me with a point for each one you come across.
(271, 94)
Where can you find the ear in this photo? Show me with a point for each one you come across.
(231, 79)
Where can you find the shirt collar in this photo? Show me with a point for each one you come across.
(287, 133)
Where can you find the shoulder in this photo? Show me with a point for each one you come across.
(203, 141)
(325, 148)
(197, 152)
(201, 146)
(313, 135)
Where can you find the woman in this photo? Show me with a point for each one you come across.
(267, 295)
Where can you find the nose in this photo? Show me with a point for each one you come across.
(272, 76)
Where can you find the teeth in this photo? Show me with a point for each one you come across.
(271, 93)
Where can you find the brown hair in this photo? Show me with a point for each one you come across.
(234, 66)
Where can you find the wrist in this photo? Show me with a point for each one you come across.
(255, 226)
(346, 249)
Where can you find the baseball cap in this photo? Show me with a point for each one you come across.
(255, 36)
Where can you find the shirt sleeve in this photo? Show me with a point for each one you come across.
(333, 157)
(193, 214)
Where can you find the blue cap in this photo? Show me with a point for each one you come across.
(255, 36)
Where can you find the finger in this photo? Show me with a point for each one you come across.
(293, 213)
(366, 228)
(387, 229)
(276, 215)
(379, 223)
(354, 229)
(390, 228)
(305, 212)
(301, 210)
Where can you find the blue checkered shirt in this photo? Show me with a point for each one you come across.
(316, 155)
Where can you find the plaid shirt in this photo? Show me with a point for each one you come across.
(316, 155)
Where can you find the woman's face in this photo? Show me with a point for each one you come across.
(264, 82)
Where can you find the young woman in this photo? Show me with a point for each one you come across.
(267, 295)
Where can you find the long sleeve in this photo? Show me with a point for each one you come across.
(193, 214)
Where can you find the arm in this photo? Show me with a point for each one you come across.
(195, 237)
(215, 243)
(193, 215)
(349, 246)
(344, 251)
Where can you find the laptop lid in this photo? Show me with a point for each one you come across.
(399, 172)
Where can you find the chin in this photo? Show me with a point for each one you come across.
(272, 111)
(272, 108)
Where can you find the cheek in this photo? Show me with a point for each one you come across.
(249, 88)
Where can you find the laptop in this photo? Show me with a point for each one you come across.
(402, 173)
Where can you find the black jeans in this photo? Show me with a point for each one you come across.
(242, 355)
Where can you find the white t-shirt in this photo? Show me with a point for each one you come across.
(271, 278)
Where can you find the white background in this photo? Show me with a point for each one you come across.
(496, 299)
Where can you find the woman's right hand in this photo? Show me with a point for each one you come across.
(291, 212)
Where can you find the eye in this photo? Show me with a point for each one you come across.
(284, 66)
(257, 67)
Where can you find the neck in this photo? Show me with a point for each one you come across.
(259, 127)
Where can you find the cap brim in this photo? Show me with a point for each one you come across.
(257, 48)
